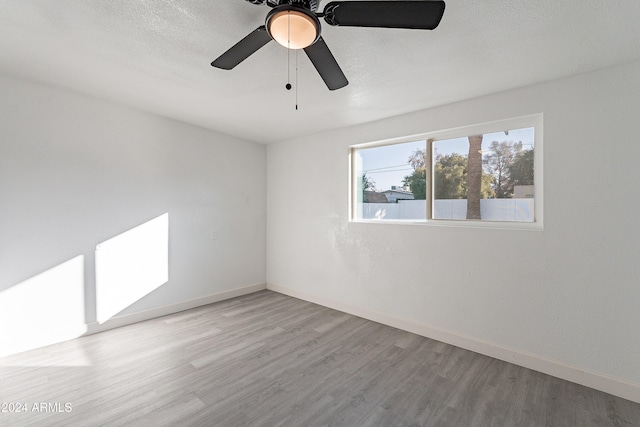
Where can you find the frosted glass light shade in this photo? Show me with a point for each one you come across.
(293, 29)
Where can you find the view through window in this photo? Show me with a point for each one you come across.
(480, 176)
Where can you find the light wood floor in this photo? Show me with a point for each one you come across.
(266, 359)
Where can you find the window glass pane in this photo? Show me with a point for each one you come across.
(485, 177)
(391, 182)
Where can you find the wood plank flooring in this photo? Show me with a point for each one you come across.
(267, 359)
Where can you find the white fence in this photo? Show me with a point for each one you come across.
(490, 209)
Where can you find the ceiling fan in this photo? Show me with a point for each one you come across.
(295, 24)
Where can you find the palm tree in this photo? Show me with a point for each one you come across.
(474, 177)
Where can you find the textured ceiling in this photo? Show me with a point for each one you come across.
(155, 54)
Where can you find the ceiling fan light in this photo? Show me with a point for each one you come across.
(293, 29)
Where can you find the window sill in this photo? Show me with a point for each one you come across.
(492, 225)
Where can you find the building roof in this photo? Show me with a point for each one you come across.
(374, 197)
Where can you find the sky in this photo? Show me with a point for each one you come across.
(387, 165)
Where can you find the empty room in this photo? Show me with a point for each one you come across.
(310, 213)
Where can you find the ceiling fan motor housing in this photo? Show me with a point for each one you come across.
(312, 5)
(307, 4)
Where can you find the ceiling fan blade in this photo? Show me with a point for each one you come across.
(322, 58)
(422, 15)
(243, 49)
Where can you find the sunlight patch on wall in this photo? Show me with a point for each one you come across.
(45, 309)
(130, 266)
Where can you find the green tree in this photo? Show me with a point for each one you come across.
(521, 170)
(417, 183)
(499, 162)
(450, 178)
(487, 191)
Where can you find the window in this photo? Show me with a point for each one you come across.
(488, 173)
(385, 188)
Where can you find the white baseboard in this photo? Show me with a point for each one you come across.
(128, 319)
(596, 380)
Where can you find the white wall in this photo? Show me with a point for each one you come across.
(563, 300)
(76, 171)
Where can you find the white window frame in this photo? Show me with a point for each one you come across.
(535, 121)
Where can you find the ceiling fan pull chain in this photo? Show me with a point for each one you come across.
(297, 78)
(288, 51)
(288, 85)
